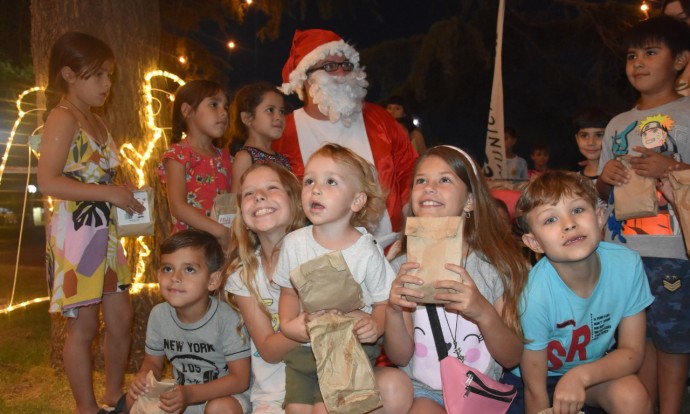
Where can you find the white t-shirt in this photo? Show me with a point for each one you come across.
(424, 365)
(364, 259)
(268, 380)
(314, 133)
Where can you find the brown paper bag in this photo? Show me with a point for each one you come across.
(680, 184)
(326, 283)
(550, 411)
(137, 224)
(432, 242)
(637, 198)
(148, 403)
(224, 208)
(346, 377)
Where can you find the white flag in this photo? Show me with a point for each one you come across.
(495, 166)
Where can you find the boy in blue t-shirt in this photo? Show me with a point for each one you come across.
(577, 297)
(656, 133)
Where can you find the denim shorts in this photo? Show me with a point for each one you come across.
(668, 319)
(421, 390)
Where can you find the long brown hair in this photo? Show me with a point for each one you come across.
(246, 99)
(242, 254)
(191, 93)
(81, 52)
(486, 231)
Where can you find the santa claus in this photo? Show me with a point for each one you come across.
(324, 71)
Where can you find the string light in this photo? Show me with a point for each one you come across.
(135, 159)
(138, 160)
(231, 44)
(644, 7)
(182, 59)
(23, 305)
(20, 116)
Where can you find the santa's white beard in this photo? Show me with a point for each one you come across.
(339, 97)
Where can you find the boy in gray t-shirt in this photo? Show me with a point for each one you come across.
(196, 332)
(656, 133)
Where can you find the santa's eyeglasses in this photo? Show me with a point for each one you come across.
(333, 66)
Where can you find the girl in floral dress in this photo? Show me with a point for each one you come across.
(85, 263)
(194, 169)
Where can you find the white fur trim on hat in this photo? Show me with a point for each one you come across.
(298, 76)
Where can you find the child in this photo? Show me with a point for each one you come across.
(480, 322)
(194, 169)
(85, 262)
(269, 203)
(341, 198)
(680, 10)
(195, 331)
(397, 108)
(257, 117)
(589, 127)
(515, 165)
(540, 160)
(581, 299)
(656, 53)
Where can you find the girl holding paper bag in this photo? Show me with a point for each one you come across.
(480, 321)
(342, 199)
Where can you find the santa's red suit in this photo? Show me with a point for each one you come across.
(394, 156)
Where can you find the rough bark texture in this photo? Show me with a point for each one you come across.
(132, 29)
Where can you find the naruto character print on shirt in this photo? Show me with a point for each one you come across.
(653, 132)
(660, 133)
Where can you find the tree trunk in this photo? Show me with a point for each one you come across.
(132, 29)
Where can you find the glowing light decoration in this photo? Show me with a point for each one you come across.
(23, 304)
(132, 157)
(21, 113)
(137, 160)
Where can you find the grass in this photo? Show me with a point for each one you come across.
(29, 384)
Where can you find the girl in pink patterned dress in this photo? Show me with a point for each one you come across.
(194, 169)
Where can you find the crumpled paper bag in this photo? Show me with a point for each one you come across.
(148, 403)
(224, 208)
(680, 184)
(432, 242)
(638, 198)
(346, 377)
(326, 282)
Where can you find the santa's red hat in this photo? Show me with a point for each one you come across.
(309, 47)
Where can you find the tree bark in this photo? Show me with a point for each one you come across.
(132, 29)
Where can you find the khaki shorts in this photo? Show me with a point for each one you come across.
(301, 381)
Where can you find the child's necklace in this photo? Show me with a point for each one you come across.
(457, 350)
(98, 137)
